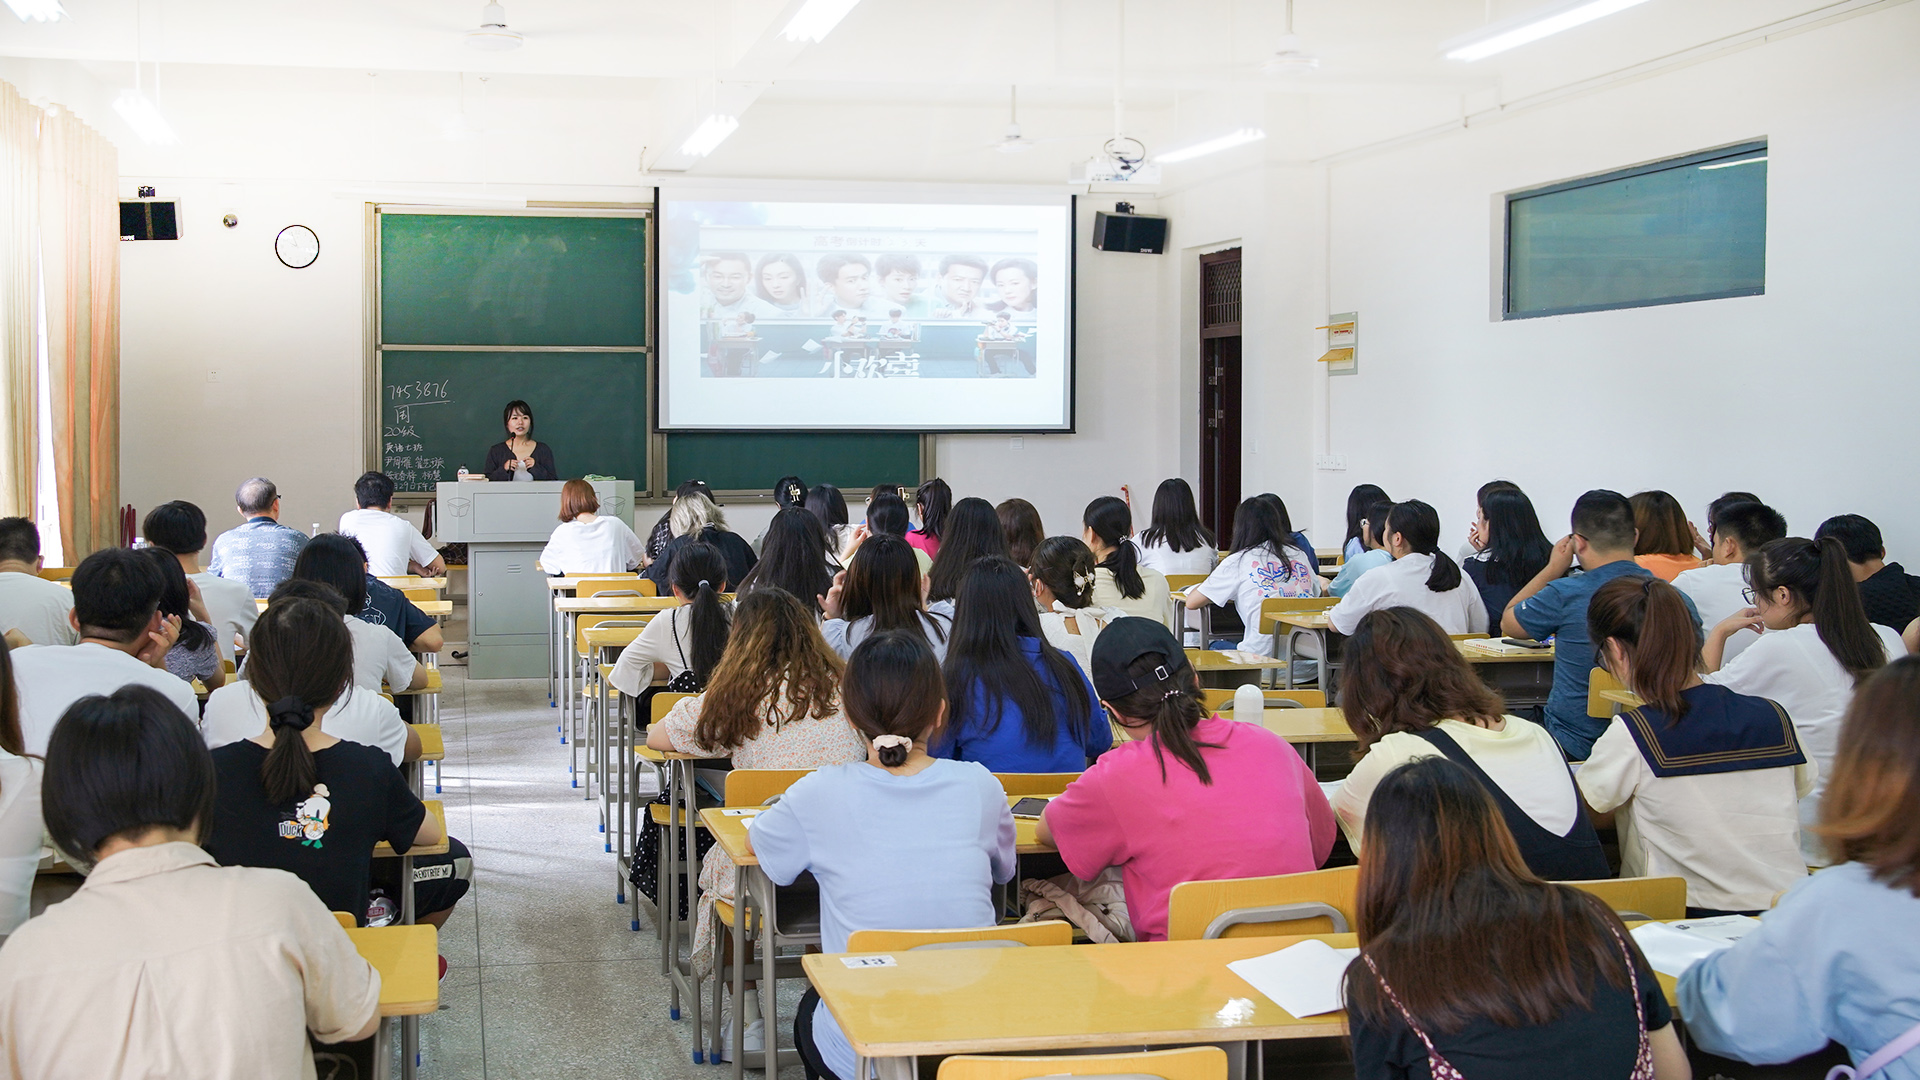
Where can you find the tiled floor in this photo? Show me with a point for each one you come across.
(544, 979)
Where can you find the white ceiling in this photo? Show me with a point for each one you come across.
(902, 89)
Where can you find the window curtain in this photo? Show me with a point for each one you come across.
(79, 207)
(19, 309)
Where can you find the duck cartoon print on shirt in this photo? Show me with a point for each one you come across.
(309, 822)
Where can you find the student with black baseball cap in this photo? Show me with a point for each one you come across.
(1189, 797)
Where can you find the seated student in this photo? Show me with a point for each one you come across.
(1263, 564)
(681, 646)
(259, 552)
(394, 547)
(585, 542)
(1663, 537)
(900, 841)
(1176, 542)
(165, 963)
(124, 641)
(1359, 501)
(879, 590)
(931, 502)
(887, 516)
(1703, 545)
(825, 502)
(1890, 594)
(970, 533)
(1410, 694)
(196, 652)
(1016, 703)
(1279, 506)
(299, 798)
(696, 517)
(1472, 966)
(29, 603)
(794, 557)
(20, 824)
(1509, 547)
(379, 656)
(180, 529)
(789, 492)
(773, 703)
(1192, 798)
(1555, 605)
(662, 531)
(1020, 527)
(1119, 580)
(1707, 782)
(1835, 958)
(1062, 574)
(1718, 589)
(1421, 577)
(1818, 647)
(1373, 533)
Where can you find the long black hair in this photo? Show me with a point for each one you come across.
(1111, 521)
(339, 561)
(1358, 500)
(1517, 547)
(300, 661)
(1256, 525)
(887, 516)
(826, 503)
(892, 686)
(1176, 521)
(992, 613)
(176, 601)
(789, 491)
(1419, 525)
(883, 580)
(972, 531)
(1820, 578)
(934, 498)
(793, 557)
(700, 573)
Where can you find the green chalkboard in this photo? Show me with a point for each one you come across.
(745, 462)
(512, 279)
(441, 410)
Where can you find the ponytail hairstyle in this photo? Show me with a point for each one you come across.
(1109, 519)
(987, 663)
(1176, 521)
(177, 601)
(1820, 579)
(883, 580)
(933, 499)
(893, 688)
(973, 532)
(700, 573)
(299, 661)
(793, 557)
(1362, 497)
(1167, 696)
(1419, 525)
(1065, 566)
(1256, 524)
(1648, 619)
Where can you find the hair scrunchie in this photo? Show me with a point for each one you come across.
(881, 742)
(704, 583)
(289, 712)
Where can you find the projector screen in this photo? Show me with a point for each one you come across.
(787, 313)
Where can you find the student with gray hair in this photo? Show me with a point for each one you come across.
(260, 551)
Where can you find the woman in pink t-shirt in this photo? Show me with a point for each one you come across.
(931, 501)
(1193, 799)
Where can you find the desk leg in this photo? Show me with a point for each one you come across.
(553, 670)
(769, 981)
(382, 1050)
(409, 1047)
(899, 1068)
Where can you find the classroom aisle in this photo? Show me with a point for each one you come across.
(544, 978)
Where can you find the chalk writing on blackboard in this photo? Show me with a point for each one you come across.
(402, 456)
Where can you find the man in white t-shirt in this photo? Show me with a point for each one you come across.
(123, 641)
(1719, 588)
(180, 528)
(39, 609)
(394, 547)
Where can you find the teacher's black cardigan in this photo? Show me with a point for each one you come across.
(498, 455)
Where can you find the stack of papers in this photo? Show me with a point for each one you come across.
(1672, 948)
(1305, 979)
(1498, 647)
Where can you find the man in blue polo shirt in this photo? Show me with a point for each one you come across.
(1555, 605)
(260, 552)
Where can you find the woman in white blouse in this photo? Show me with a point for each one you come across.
(1176, 542)
(585, 542)
(682, 640)
(1421, 577)
(1062, 574)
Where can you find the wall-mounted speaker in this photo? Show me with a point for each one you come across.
(1120, 231)
(150, 220)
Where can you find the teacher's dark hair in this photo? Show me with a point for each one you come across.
(299, 654)
(121, 764)
(336, 560)
(517, 406)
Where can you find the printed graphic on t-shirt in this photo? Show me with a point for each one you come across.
(309, 821)
(1278, 578)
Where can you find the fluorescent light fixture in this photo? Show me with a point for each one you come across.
(1530, 27)
(143, 116)
(37, 10)
(815, 19)
(1731, 164)
(1212, 146)
(710, 134)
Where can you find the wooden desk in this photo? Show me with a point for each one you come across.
(1306, 727)
(434, 685)
(1521, 678)
(438, 609)
(384, 850)
(1218, 669)
(433, 747)
(407, 958)
(568, 609)
(410, 581)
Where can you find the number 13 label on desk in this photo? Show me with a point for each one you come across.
(868, 961)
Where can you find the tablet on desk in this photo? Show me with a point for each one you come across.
(1029, 807)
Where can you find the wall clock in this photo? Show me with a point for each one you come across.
(297, 246)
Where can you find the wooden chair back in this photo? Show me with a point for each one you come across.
(663, 701)
(753, 787)
(1316, 902)
(590, 620)
(1182, 582)
(1050, 932)
(56, 573)
(1599, 681)
(1465, 637)
(345, 920)
(615, 585)
(1186, 1063)
(1218, 699)
(1640, 897)
(1036, 783)
(421, 594)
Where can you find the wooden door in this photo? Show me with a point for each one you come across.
(1220, 390)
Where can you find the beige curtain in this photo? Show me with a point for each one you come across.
(19, 227)
(80, 260)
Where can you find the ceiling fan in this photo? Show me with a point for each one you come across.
(1291, 56)
(1013, 141)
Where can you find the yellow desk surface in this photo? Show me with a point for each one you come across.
(433, 747)
(606, 637)
(434, 607)
(409, 581)
(1477, 656)
(1210, 660)
(1304, 620)
(971, 1001)
(434, 685)
(604, 604)
(1304, 725)
(730, 832)
(561, 584)
(438, 809)
(407, 958)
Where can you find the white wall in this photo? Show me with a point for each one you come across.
(1806, 395)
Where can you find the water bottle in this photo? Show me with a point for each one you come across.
(316, 529)
(1248, 703)
(462, 474)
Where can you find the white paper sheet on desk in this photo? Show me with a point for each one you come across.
(1242, 656)
(1727, 928)
(1671, 951)
(1304, 979)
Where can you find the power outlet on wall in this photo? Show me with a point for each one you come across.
(1017, 442)
(213, 375)
(1330, 462)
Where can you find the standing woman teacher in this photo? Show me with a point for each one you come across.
(519, 457)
